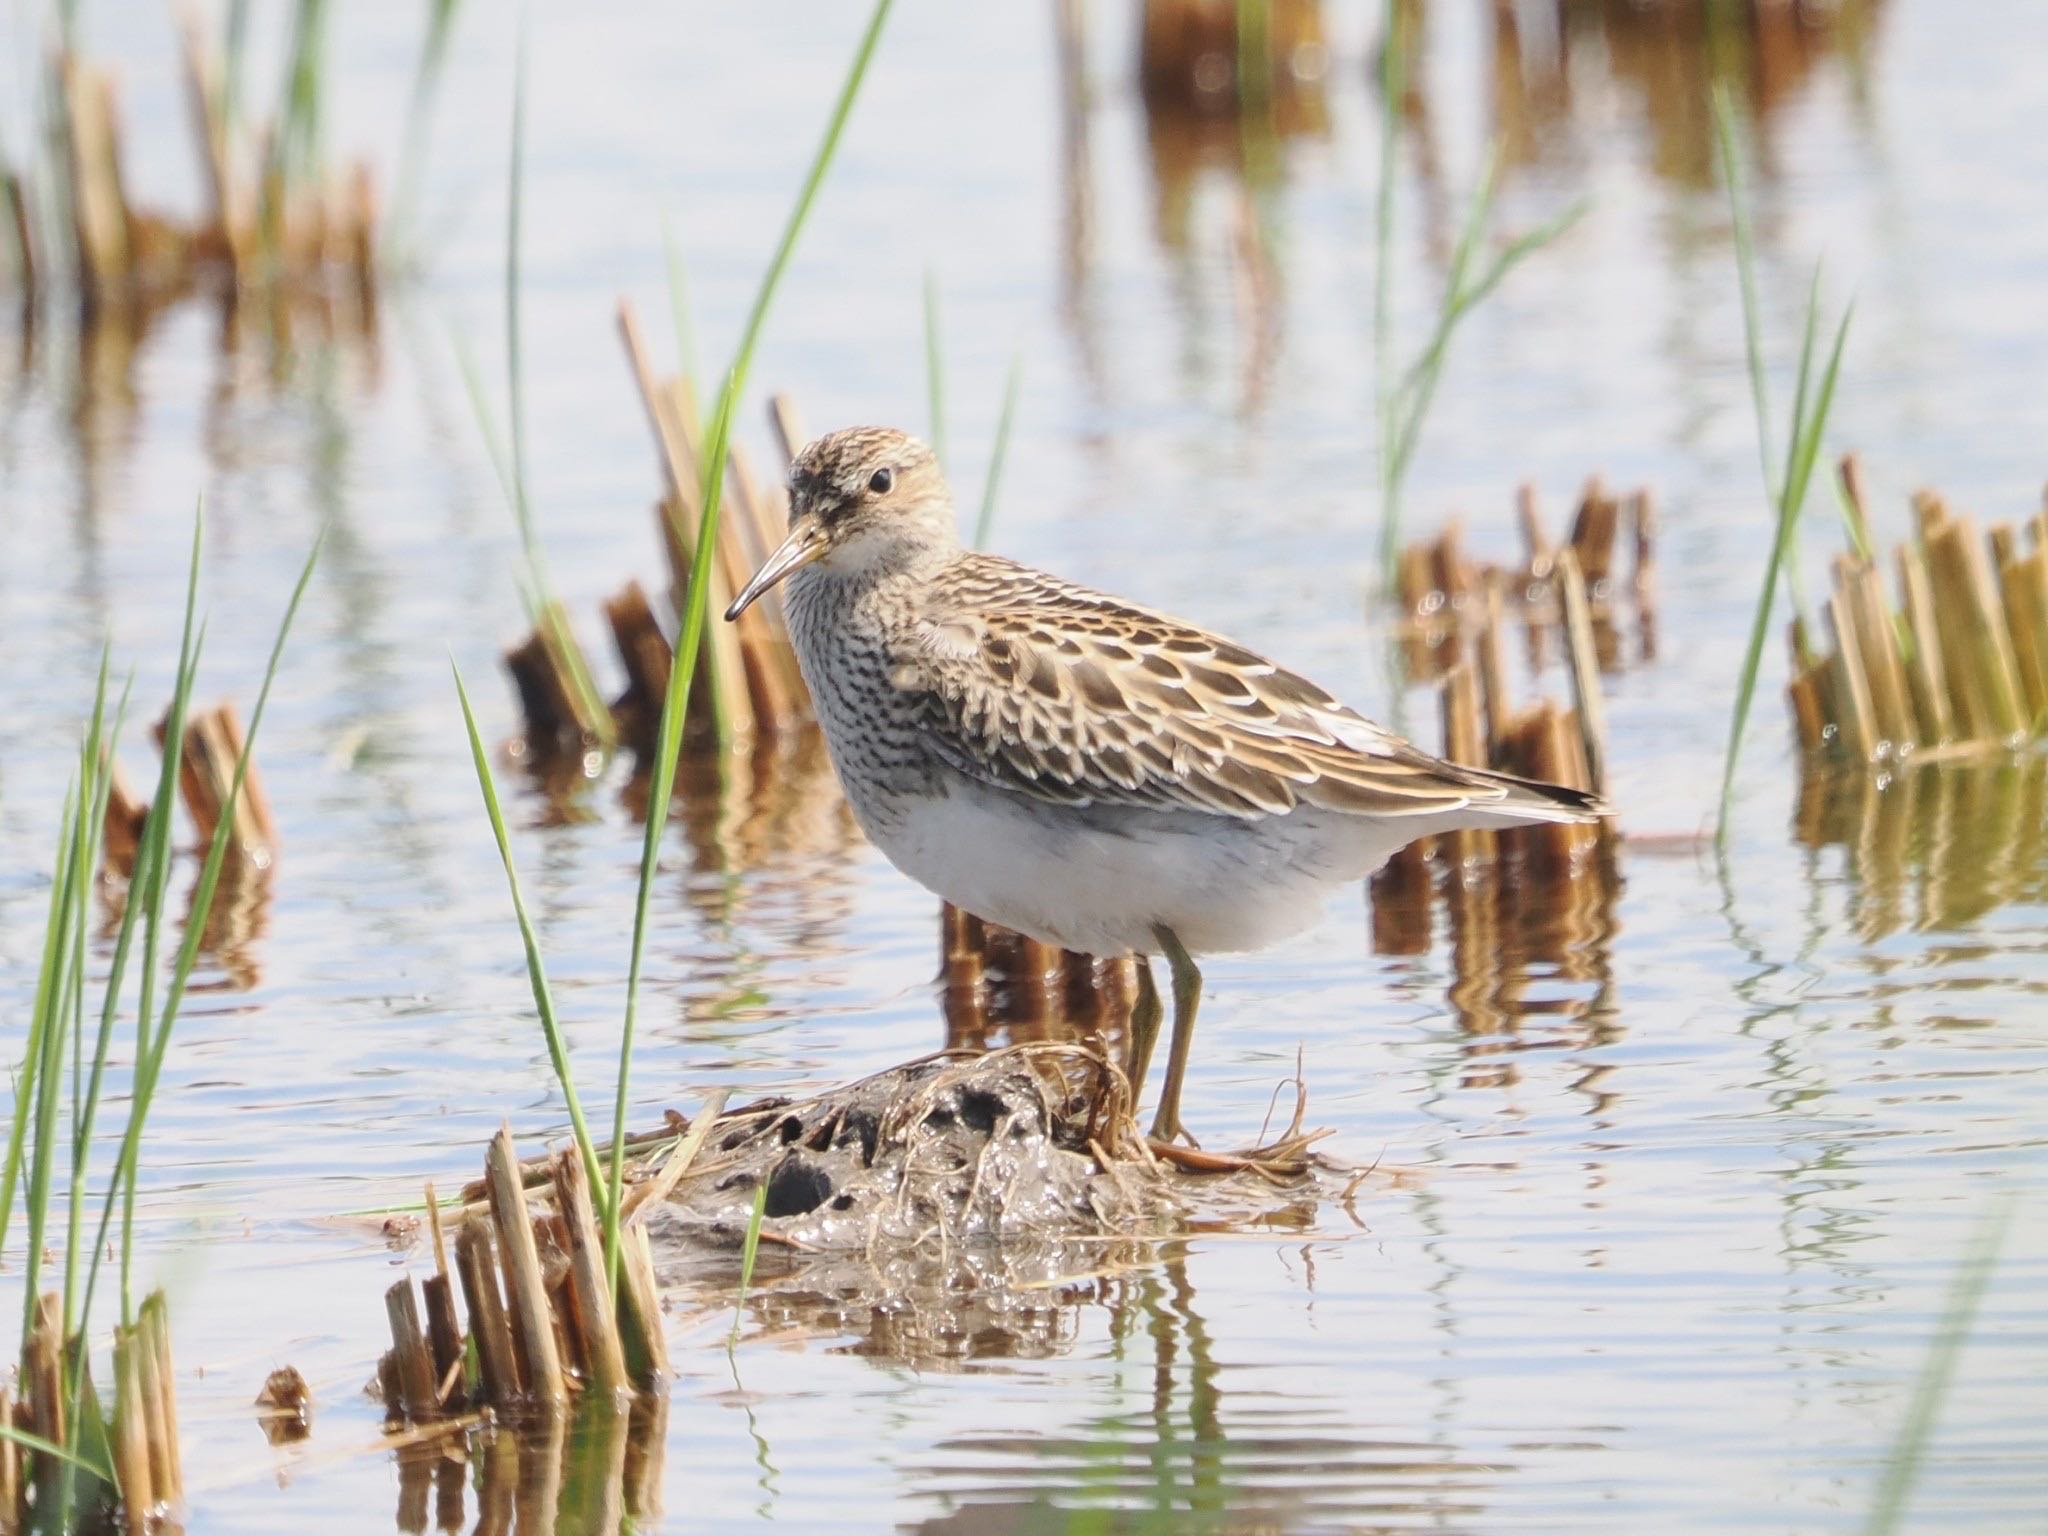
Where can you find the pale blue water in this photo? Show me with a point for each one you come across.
(1682, 1212)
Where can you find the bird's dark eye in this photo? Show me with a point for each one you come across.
(881, 481)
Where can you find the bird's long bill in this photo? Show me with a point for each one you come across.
(806, 542)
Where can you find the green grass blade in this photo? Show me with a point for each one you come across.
(28, 1079)
(934, 371)
(1393, 55)
(1745, 269)
(46, 1046)
(149, 1065)
(1916, 1432)
(536, 968)
(690, 631)
(44, 1447)
(1804, 454)
(515, 371)
(486, 420)
(1000, 453)
(749, 1252)
(97, 775)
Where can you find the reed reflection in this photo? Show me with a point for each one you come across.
(1178, 1450)
(596, 1473)
(1666, 58)
(1930, 845)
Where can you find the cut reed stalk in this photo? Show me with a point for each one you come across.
(498, 1369)
(1974, 638)
(2023, 582)
(444, 1341)
(1465, 742)
(1854, 712)
(1925, 675)
(591, 1306)
(1877, 646)
(526, 1293)
(787, 423)
(415, 1365)
(644, 652)
(1584, 665)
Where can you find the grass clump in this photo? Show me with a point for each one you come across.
(50, 1147)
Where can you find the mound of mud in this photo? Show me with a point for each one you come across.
(1022, 1146)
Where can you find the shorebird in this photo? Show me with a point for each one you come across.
(1086, 771)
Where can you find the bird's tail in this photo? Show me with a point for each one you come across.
(1531, 800)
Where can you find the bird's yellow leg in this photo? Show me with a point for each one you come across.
(1187, 996)
(1144, 1028)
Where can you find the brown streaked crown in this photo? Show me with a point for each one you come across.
(843, 477)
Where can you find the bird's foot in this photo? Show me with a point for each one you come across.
(1167, 1128)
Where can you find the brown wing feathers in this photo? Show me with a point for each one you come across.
(1049, 689)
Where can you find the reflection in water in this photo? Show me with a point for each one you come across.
(998, 987)
(594, 1473)
(1531, 952)
(1181, 1449)
(1667, 56)
(1930, 845)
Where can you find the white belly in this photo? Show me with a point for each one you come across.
(1099, 885)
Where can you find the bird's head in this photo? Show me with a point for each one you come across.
(859, 498)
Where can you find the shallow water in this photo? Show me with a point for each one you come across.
(1682, 1196)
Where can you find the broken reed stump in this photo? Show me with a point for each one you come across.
(1545, 740)
(748, 687)
(748, 682)
(206, 775)
(1961, 665)
(1450, 598)
(258, 228)
(141, 1424)
(543, 1329)
(563, 710)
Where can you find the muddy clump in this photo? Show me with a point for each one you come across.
(1026, 1145)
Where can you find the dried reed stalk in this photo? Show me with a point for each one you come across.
(1853, 709)
(788, 426)
(1877, 644)
(99, 208)
(131, 1436)
(1975, 641)
(497, 1355)
(416, 1375)
(1465, 742)
(644, 652)
(1584, 666)
(160, 1386)
(590, 1304)
(526, 1293)
(544, 669)
(1926, 677)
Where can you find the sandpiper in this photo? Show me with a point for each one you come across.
(1083, 770)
